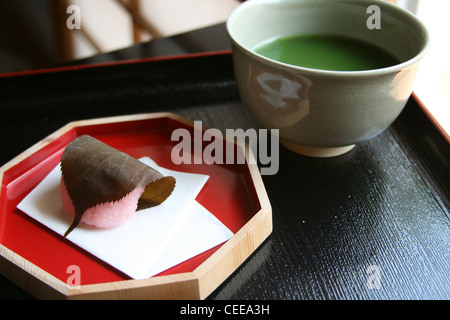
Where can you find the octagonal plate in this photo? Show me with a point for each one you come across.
(37, 259)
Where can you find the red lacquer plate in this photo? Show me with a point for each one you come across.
(37, 259)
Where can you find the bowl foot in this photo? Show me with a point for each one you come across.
(315, 151)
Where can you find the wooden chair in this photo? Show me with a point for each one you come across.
(62, 33)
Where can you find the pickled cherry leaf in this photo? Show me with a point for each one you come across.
(95, 173)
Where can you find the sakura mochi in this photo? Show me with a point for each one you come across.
(105, 215)
(103, 187)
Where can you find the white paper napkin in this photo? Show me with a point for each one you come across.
(151, 241)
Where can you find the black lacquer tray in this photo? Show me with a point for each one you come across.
(371, 224)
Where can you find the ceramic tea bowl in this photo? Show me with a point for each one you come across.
(324, 113)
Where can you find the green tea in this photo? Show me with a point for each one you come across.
(327, 52)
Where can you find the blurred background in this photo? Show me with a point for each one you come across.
(33, 34)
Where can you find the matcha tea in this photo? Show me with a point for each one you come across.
(327, 52)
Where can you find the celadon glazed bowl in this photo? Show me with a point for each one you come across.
(325, 113)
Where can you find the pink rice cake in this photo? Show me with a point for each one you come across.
(105, 215)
